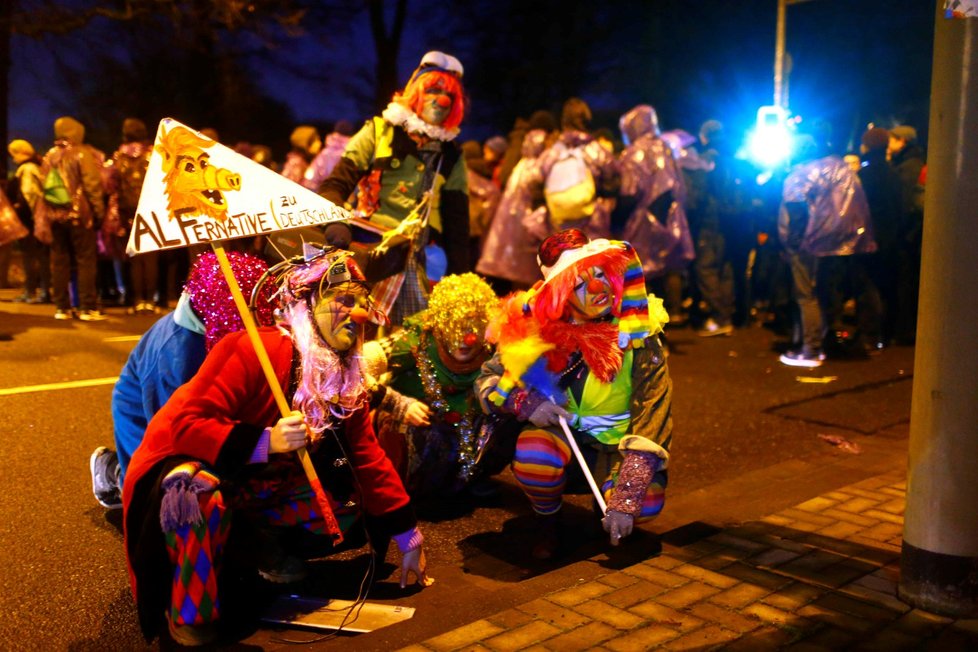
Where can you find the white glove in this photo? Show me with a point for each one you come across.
(618, 525)
(548, 413)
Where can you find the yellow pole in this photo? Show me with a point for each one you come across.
(283, 405)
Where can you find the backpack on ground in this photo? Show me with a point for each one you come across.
(569, 188)
(55, 191)
(132, 171)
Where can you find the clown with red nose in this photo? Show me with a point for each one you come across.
(429, 420)
(579, 356)
(396, 160)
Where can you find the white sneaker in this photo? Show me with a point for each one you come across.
(92, 315)
(712, 329)
(800, 359)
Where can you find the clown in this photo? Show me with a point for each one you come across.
(220, 447)
(429, 420)
(395, 159)
(583, 346)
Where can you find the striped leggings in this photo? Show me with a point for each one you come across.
(540, 467)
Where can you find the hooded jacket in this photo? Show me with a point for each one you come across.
(510, 252)
(653, 194)
(604, 170)
(80, 167)
(835, 220)
(325, 161)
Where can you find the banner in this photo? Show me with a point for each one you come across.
(198, 191)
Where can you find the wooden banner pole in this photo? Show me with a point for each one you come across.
(273, 384)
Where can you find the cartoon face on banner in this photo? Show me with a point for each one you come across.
(199, 191)
(191, 182)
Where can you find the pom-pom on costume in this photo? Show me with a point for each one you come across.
(435, 359)
(395, 159)
(210, 453)
(586, 338)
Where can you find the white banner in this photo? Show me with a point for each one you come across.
(197, 191)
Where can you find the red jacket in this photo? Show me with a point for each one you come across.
(217, 417)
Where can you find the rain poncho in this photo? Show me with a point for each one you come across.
(510, 252)
(838, 221)
(648, 172)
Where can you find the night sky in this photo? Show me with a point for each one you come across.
(855, 61)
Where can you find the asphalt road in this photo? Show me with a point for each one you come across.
(746, 444)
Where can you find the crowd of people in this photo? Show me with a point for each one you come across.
(398, 374)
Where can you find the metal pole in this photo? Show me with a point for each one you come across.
(779, 54)
(940, 537)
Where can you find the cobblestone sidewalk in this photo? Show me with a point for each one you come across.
(821, 575)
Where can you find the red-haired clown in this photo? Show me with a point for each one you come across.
(393, 161)
(583, 345)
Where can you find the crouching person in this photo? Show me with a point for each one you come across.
(429, 421)
(583, 345)
(218, 457)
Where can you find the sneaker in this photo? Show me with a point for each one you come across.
(92, 315)
(191, 635)
(286, 569)
(104, 465)
(63, 315)
(802, 359)
(712, 329)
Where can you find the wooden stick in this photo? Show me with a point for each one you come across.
(283, 405)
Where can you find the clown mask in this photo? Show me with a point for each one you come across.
(592, 296)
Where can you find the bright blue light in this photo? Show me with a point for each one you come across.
(769, 144)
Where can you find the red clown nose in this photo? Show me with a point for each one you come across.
(444, 101)
(595, 285)
(470, 339)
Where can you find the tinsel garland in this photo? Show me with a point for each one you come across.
(463, 423)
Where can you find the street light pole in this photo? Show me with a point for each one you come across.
(940, 536)
(780, 56)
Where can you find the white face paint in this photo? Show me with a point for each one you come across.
(592, 295)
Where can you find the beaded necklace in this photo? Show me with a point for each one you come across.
(463, 423)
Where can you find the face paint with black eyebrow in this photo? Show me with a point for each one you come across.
(592, 295)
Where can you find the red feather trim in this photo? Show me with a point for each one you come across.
(597, 342)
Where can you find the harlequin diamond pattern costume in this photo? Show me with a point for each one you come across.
(207, 461)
